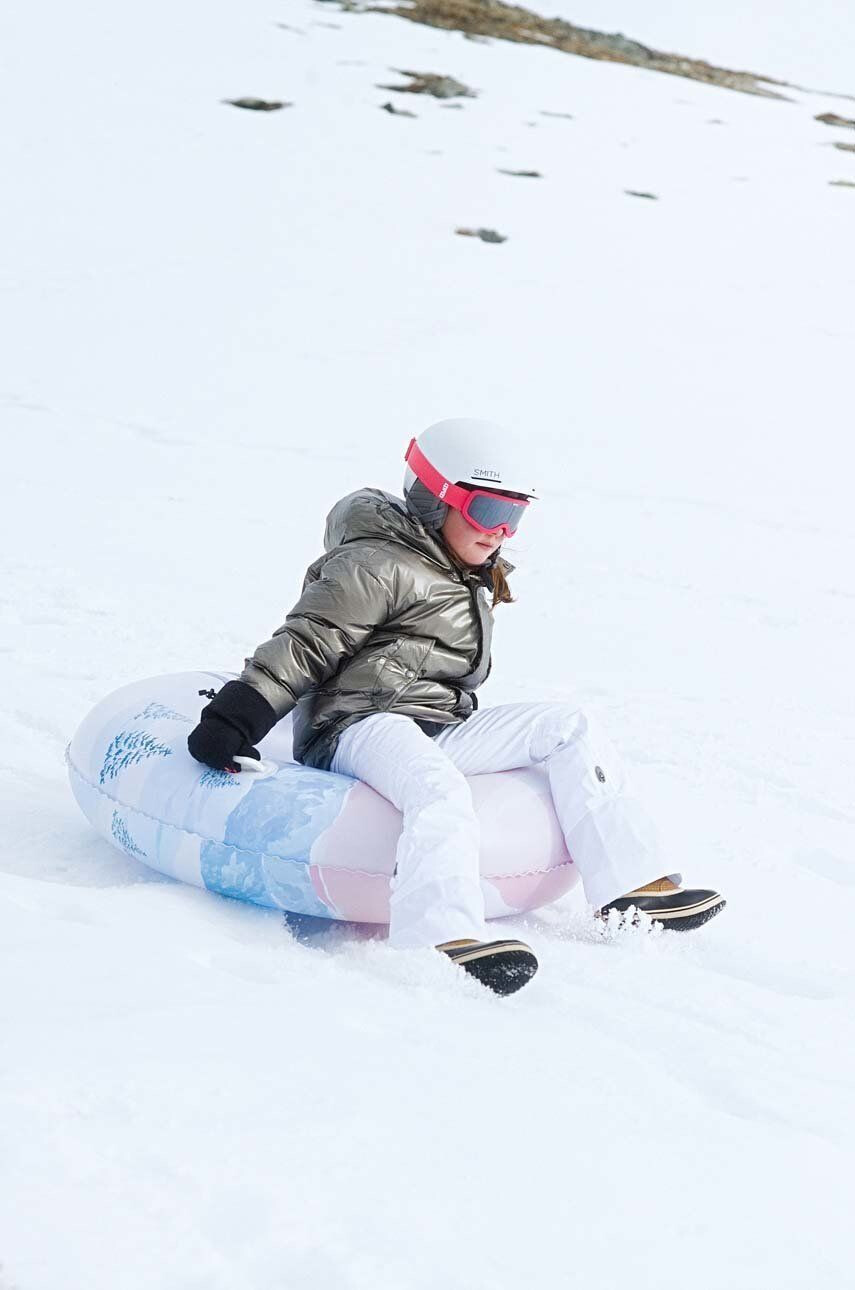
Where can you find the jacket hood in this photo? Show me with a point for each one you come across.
(371, 513)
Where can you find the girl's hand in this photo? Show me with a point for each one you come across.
(229, 726)
(217, 743)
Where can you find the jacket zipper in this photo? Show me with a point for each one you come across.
(479, 653)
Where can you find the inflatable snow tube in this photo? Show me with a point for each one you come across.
(291, 838)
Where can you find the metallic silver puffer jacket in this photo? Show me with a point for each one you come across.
(387, 622)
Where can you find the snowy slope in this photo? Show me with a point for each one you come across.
(216, 322)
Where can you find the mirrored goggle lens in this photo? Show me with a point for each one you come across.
(490, 512)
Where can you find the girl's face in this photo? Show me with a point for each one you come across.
(469, 544)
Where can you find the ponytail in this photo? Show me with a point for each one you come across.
(501, 590)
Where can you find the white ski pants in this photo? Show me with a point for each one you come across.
(436, 890)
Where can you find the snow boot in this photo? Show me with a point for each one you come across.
(502, 966)
(674, 907)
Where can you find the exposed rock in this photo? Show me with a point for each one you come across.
(441, 87)
(842, 183)
(844, 147)
(523, 174)
(511, 22)
(394, 111)
(831, 118)
(634, 192)
(258, 105)
(485, 234)
(567, 116)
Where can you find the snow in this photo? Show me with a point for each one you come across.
(217, 322)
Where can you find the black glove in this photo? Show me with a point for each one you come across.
(236, 718)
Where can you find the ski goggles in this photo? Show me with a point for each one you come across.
(484, 509)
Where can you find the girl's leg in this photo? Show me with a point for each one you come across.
(607, 831)
(436, 889)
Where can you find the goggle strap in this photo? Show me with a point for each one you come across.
(441, 487)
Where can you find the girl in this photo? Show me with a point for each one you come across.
(381, 658)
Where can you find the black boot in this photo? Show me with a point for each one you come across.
(502, 966)
(674, 907)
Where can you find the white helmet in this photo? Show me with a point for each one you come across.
(476, 454)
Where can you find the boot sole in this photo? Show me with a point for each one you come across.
(691, 919)
(504, 969)
(678, 920)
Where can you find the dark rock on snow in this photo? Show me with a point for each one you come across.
(441, 87)
(485, 234)
(258, 105)
(394, 111)
(831, 118)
